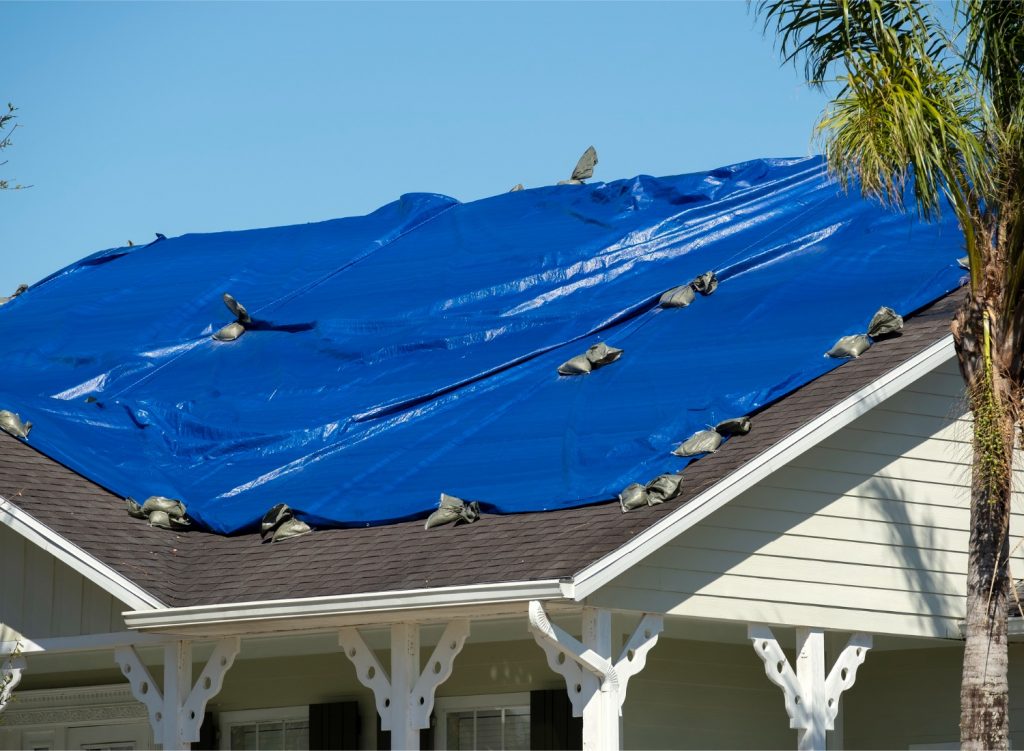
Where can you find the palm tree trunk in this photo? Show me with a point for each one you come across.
(985, 349)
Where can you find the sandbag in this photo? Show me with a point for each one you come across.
(850, 346)
(662, 488)
(634, 496)
(733, 426)
(706, 283)
(595, 357)
(886, 322)
(170, 506)
(584, 168)
(233, 330)
(677, 297)
(279, 523)
(12, 424)
(701, 442)
(452, 509)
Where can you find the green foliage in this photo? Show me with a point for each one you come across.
(918, 104)
(938, 113)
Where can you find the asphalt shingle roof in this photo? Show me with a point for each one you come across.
(196, 568)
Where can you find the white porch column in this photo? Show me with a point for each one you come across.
(176, 713)
(811, 696)
(406, 698)
(596, 684)
(10, 676)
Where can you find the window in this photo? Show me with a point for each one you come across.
(500, 722)
(280, 729)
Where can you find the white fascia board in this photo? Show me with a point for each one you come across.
(373, 605)
(99, 573)
(620, 560)
(83, 643)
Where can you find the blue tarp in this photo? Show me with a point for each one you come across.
(414, 350)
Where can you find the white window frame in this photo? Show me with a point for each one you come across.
(225, 720)
(445, 704)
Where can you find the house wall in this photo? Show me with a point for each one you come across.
(912, 697)
(42, 597)
(867, 531)
(692, 694)
(688, 696)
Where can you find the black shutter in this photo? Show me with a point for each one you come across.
(426, 736)
(207, 734)
(334, 726)
(552, 725)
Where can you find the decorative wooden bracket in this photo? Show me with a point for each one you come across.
(812, 699)
(596, 685)
(176, 713)
(10, 677)
(406, 698)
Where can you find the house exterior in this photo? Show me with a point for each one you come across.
(807, 589)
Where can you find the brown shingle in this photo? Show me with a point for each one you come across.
(203, 568)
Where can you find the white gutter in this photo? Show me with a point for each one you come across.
(99, 573)
(584, 583)
(344, 605)
(620, 560)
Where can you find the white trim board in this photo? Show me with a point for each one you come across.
(620, 560)
(65, 551)
(367, 608)
(83, 643)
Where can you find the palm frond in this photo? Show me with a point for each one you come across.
(826, 33)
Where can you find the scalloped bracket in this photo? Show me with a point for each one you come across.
(10, 677)
(176, 713)
(596, 685)
(811, 697)
(405, 699)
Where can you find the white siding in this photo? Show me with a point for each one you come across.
(866, 531)
(42, 597)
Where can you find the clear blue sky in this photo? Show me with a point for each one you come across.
(146, 117)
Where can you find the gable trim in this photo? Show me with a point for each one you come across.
(65, 551)
(620, 560)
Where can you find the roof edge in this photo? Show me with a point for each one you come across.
(61, 548)
(588, 580)
(368, 604)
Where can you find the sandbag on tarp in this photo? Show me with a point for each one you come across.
(885, 323)
(415, 350)
(12, 424)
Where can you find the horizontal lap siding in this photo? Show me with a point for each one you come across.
(867, 530)
(42, 597)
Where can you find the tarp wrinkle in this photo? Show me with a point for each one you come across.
(415, 350)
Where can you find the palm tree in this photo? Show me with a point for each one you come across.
(928, 110)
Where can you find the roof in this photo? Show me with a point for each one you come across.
(386, 359)
(199, 568)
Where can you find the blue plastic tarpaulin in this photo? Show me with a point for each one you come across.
(415, 350)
